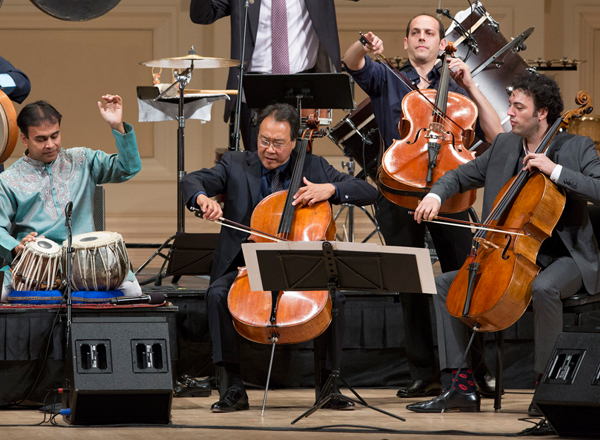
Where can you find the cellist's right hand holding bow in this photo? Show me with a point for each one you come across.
(373, 44)
(427, 210)
(210, 208)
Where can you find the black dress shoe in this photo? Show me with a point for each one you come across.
(487, 386)
(449, 402)
(420, 388)
(340, 405)
(235, 399)
(187, 386)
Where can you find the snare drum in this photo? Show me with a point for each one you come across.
(38, 267)
(100, 261)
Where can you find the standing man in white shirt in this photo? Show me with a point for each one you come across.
(312, 41)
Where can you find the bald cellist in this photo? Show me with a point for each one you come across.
(424, 40)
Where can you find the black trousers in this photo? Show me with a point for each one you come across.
(225, 337)
(452, 245)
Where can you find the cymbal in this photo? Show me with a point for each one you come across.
(198, 62)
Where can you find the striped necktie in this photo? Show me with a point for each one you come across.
(280, 56)
(276, 183)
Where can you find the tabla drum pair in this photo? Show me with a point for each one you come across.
(99, 259)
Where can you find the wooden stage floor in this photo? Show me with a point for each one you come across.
(191, 418)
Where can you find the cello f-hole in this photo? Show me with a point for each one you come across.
(416, 137)
(504, 256)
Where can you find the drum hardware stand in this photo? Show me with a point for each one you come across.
(350, 214)
(182, 80)
(470, 40)
(238, 103)
(69, 292)
(515, 45)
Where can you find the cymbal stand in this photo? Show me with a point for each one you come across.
(238, 103)
(349, 231)
(181, 80)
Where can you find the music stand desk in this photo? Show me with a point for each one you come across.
(360, 266)
(297, 266)
(315, 90)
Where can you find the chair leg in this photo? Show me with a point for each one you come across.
(499, 369)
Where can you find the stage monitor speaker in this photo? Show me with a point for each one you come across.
(569, 393)
(118, 371)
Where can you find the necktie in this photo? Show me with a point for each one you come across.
(280, 56)
(276, 183)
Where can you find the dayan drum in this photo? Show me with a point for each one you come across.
(38, 266)
(100, 261)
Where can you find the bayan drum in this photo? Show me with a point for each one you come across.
(358, 136)
(100, 261)
(38, 266)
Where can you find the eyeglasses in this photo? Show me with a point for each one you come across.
(278, 145)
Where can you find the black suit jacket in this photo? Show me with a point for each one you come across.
(580, 178)
(322, 15)
(238, 175)
(22, 84)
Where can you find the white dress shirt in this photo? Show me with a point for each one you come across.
(302, 39)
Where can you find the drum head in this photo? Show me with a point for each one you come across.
(8, 127)
(80, 10)
(44, 246)
(93, 239)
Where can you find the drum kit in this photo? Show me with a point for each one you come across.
(100, 263)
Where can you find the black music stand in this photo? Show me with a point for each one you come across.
(311, 90)
(190, 254)
(338, 266)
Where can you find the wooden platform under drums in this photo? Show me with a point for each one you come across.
(191, 418)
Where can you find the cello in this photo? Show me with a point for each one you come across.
(284, 317)
(493, 288)
(412, 165)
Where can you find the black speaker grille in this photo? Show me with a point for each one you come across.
(114, 408)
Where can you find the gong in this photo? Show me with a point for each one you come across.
(75, 10)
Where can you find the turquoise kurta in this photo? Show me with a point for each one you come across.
(33, 194)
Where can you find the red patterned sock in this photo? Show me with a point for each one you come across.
(465, 382)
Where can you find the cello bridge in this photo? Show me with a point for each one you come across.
(435, 132)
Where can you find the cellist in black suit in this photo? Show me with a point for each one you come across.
(246, 178)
